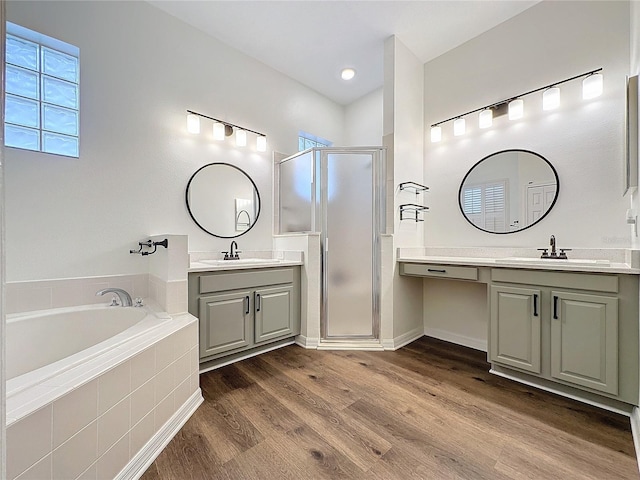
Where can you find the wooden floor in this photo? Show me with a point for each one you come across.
(429, 410)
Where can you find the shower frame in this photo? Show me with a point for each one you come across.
(318, 223)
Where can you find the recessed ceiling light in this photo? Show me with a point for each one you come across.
(348, 73)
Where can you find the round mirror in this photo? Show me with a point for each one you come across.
(508, 191)
(223, 200)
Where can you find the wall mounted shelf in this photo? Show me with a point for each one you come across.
(416, 187)
(413, 210)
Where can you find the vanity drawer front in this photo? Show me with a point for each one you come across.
(245, 279)
(442, 271)
(578, 281)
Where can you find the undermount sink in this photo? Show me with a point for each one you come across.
(240, 261)
(552, 261)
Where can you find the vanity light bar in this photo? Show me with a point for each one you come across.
(591, 88)
(222, 129)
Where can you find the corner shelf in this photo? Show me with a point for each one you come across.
(416, 187)
(415, 211)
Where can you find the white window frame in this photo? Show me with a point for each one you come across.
(308, 141)
(45, 43)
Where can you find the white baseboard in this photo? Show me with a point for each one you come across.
(475, 343)
(402, 340)
(147, 454)
(367, 345)
(307, 342)
(635, 431)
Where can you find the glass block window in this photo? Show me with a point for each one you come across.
(306, 141)
(42, 111)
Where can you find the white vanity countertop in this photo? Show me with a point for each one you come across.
(210, 262)
(596, 261)
(224, 265)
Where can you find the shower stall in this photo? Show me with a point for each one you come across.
(339, 193)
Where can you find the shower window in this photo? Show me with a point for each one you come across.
(42, 111)
(307, 141)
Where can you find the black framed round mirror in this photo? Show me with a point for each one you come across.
(223, 200)
(508, 191)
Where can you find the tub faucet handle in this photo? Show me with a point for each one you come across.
(114, 302)
(138, 303)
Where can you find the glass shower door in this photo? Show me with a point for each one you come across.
(348, 240)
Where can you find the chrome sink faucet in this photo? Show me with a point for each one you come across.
(125, 298)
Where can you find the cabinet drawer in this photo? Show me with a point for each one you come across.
(443, 271)
(245, 279)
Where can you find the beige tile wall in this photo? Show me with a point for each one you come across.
(96, 429)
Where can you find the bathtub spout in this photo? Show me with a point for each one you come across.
(125, 298)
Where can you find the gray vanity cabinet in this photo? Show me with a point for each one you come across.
(578, 329)
(274, 309)
(241, 310)
(584, 340)
(225, 322)
(515, 327)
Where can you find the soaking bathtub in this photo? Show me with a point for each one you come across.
(95, 390)
(45, 343)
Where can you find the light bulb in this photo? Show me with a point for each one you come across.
(436, 134)
(348, 73)
(485, 119)
(261, 143)
(218, 131)
(551, 98)
(516, 109)
(459, 127)
(193, 123)
(241, 138)
(592, 86)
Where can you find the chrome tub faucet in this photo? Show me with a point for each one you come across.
(125, 298)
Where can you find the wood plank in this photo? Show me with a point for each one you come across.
(430, 410)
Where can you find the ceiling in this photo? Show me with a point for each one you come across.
(312, 41)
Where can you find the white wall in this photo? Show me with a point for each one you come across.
(582, 139)
(140, 70)
(402, 128)
(363, 121)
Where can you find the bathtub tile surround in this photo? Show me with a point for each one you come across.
(27, 296)
(110, 417)
(168, 273)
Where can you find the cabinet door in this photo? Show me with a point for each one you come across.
(515, 327)
(274, 312)
(584, 340)
(225, 322)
